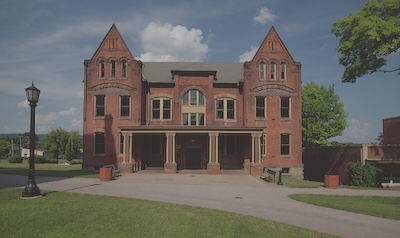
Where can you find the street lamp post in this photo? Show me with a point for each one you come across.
(32, 190)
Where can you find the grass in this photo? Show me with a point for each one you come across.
(291, 182)
(386, 207)
(59, 214)
(51, 170)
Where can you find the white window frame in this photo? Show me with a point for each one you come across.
(265, 107)
(225, 109)
(272, 71)
(125, 106)
(286, 145)
(283, 71)
(161, 109)
(262, 70)
(96, 106)
(286, 108)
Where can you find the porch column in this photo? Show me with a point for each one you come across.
(213, 166)
(130, 148)
(256, 167)
(170, 165)
(124, 148)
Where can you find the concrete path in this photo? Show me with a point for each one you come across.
(236, 193)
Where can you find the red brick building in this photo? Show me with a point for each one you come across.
(192, 115)
(391, 131)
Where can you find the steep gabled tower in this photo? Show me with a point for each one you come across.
(112, 98)
(272, 91)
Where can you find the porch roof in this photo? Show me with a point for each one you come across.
(190, 129)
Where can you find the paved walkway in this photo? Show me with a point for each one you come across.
(236, 193)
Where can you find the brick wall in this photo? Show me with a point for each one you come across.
(391, 131)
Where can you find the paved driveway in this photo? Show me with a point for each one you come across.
(237, 193)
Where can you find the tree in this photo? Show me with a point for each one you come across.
(367, 37)
(73, 145)
(323, 115)
(4, 148)
(56, 140)
(379, 139)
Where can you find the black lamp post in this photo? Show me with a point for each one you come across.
(32, 190)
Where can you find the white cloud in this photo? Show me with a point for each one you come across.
(69, 112)
(80, 94)
(356, 132)
(47, 119)
(77, 123)
(164, 42)
(248, 55)
(23, 104)
(265, 16)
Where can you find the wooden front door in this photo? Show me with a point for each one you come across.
(193, 158)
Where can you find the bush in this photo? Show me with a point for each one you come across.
(40, 159)
(15, 159)
(51, 160)
(76, 161)
(365, 176)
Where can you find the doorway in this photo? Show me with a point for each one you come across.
(193, 158)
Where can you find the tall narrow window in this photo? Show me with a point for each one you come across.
(225, 109)
(260, 107)
(99, 140)
(285, 144)
(262, 70)
(123, 69)
(272, 71)
(263, 145)
(112, 66)
(124, 106)
(100, 106)
(102, 69)
(285, 107)
(161, 109)
(283, 71)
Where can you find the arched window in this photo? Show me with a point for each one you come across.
(102, 68)
(112, 67)
(123, 69)
(262, 71)
(193, 108)
(272, 71)
(283, 71)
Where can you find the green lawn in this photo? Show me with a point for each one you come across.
(386, 207)
(291, 182)
(59, 214)
(52, 170)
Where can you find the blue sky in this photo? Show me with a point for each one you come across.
(46, 41)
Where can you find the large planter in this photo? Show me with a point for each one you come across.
(331, 181)
(105, 174)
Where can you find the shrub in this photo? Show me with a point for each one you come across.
(76, 161)
(51, 160)
(15, 159)
(365, 176)
(40, 159)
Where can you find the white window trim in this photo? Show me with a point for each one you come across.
(161, 109)
(120, 106)
(262, 68)
(290, 108)
(95, 106)
(272, 70)
(225, 110)
(265, 108)
(289, 145)
(284, 71)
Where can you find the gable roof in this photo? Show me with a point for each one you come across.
(272, 32)
(162, 72)
(113, 31)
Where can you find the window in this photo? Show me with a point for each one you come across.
(285, 107)
(272, 71)
(193, 119)
(260, 107)
(123, 69)
(226, 144)
(225, 109)
(161, 109)
(193, 98)
(112, 66)
(263, 145)
(262, 70)
(283, 71)
(102, 69)
(124, 106)
(100, 106)
(99, 143)
(285, 144)
(156, 146)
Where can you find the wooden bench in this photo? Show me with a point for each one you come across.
(268, 175)
(115, 171)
